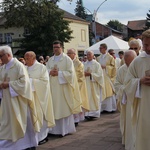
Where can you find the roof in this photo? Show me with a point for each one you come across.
(71, 16)
(112, 43)
(136, 24)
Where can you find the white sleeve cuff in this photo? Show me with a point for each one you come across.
(138, 90)
(61, 78)
(124, 99)
(32, 85)
(12, 92)
(1, 95)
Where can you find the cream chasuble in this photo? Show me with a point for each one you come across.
(94, 84)
(109, 73)
(79, 68)
(124, 107)
(66, 101)
(140, 101)
(42, 94)
(14, 108)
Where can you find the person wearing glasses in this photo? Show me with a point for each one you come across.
(62, 83)
(135, 45)
(137, 89)
(17, 130)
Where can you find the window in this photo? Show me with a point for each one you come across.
(83, 35)
(26, 31)
(1, 37)
(8, 38)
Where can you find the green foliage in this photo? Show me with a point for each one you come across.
(148, 21)
(115, 24)
(42, 18)
(80, 10)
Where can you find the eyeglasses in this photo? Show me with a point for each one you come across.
(133, 48)
(56, 47)
(2, 55)
(70, 53)
(112, 53)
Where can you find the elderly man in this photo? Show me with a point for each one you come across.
(62, 82)
(135, 45)
(16, 127)
(107, 63)
(124, 104)
(95, 83)
(39, 80)
(138, 91)
(79, 68)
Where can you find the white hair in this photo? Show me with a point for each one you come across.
(89, 51)
(6, 49)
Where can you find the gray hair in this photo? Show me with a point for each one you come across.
(89, 51)
(135, 42)
(6, 49)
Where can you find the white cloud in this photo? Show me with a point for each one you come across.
(121, 10)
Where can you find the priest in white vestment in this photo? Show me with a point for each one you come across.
(107, 63)
(62, 83)
(138, 90)
(124, 105)
(39, 80)
(17, 130)
(79, 69)
(95, 84)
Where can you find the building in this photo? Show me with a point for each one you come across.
(80, 27)
(135, 27)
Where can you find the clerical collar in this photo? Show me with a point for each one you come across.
(144, 54)
(57, 58)
(103, 55)
(9, 64)
(31, 67)
(89, 62)
(147, 55)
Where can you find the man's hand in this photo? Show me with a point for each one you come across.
(54, 72)
(87, 73)
(4, 85)
(103, 67)
(145, 80)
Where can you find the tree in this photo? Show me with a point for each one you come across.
(80, 10)
(115, 24)
(148, 21)
(42, 18)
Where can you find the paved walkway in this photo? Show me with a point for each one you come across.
(99, 134)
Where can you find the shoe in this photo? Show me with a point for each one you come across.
(43, 141)
(31, 148)
(76, 124)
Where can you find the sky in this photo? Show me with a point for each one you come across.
(121, 10)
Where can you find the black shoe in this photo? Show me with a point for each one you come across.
(43, 141)
(76, 124)
(31, 148)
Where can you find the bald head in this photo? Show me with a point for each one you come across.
(30, 58)
(129, 56)
(71, 53)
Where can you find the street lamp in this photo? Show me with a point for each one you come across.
(94, 18)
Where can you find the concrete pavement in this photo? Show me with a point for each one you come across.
(99, 134)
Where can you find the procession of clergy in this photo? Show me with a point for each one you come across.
(37, 100)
